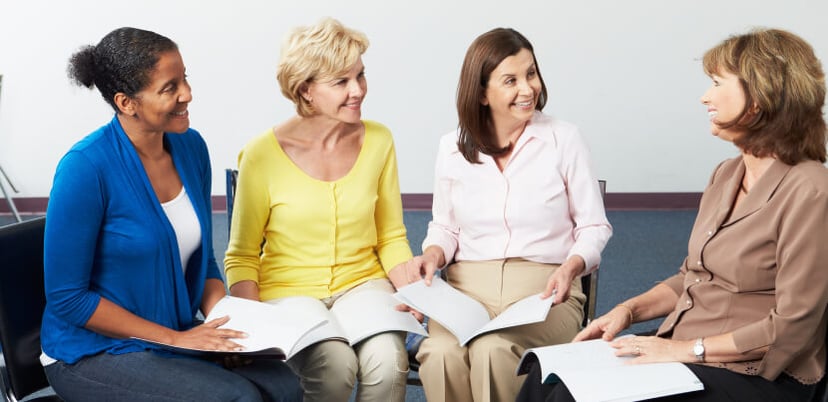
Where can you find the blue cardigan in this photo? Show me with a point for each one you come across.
(108, 236)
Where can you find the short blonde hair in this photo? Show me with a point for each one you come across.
(318, 51)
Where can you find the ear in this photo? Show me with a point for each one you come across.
(484, 101)
(304, 92)
(125, 104)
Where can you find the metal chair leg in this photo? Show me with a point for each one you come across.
(9, 200)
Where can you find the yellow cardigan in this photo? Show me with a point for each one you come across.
(321, 238)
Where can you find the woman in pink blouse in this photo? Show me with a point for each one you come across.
(517, 211)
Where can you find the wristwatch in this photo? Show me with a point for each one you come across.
(698, 350)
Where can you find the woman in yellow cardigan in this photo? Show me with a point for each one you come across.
(322, 189)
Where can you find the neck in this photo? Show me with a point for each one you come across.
(148, 144)
(755, 167)
(324, 131)
(509, 134)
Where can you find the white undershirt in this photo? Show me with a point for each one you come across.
(184, 221)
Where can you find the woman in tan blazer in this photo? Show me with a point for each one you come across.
(746, 311)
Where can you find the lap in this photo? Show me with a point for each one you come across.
(147, 375)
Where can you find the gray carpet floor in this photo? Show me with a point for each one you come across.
(646, 246)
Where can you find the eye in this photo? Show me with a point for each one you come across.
(531, 73)
(509, 81)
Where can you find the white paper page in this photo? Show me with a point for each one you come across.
(525, 311)
(576, 355)
(460, 314)
(309, 306)
(630, 382)
(266, 325)
(370, 312)
(592, 372)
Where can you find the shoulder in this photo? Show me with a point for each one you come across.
(448, 142)
(261, 144)
(378, 133)
(555, 131)
(809, 176)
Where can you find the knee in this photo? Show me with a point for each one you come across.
(382, 357)
(444, 351)
(493, 346)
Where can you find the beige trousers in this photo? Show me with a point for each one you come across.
(329, 369)
(484, 370)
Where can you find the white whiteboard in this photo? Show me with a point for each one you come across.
(626, 72)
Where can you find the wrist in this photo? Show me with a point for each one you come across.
(629, 311)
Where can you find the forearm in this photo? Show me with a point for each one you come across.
(245, 289)
(657, 302)
(722, 349)
(112, 320)
(214, 290)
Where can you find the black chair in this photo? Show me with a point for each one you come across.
(22, 301)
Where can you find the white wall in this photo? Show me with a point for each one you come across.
(627, 72)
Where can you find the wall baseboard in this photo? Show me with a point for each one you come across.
(422, 202)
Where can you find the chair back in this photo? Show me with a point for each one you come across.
(589, 283)
(230, 177)
(22, 301)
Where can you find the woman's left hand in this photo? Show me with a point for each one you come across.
(560, 281)
(654, 349)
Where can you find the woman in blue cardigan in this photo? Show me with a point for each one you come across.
(128, 248)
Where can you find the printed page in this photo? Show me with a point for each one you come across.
(271, 331)
(369, 312)
(592, 372)
(529, 310)
(267, 325)
(460, 314)
(309, 306)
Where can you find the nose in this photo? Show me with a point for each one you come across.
(357, 88)
(186, 95)
(524, 87)
(705, 98)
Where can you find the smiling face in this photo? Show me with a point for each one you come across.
(513, 89)
(162, 105)
(725, 101)
(339, 97)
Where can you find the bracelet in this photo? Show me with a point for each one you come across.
(629, 310)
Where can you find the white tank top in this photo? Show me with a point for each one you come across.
(184, 221)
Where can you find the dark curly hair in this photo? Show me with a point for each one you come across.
(121, 62)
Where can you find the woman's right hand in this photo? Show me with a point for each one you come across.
(209, 336)
(607, 326)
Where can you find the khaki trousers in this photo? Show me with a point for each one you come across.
(484, 370)
(329, 369)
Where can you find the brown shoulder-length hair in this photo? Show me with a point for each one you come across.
(475, 119)
(784, 89)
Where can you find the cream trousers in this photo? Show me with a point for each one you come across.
(330, 369)
(484, 370)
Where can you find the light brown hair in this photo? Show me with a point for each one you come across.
(784, 88)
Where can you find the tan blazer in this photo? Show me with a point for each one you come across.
(759, 271)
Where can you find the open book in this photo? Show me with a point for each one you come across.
(283, 327)
(465, 317)
(592, 372)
